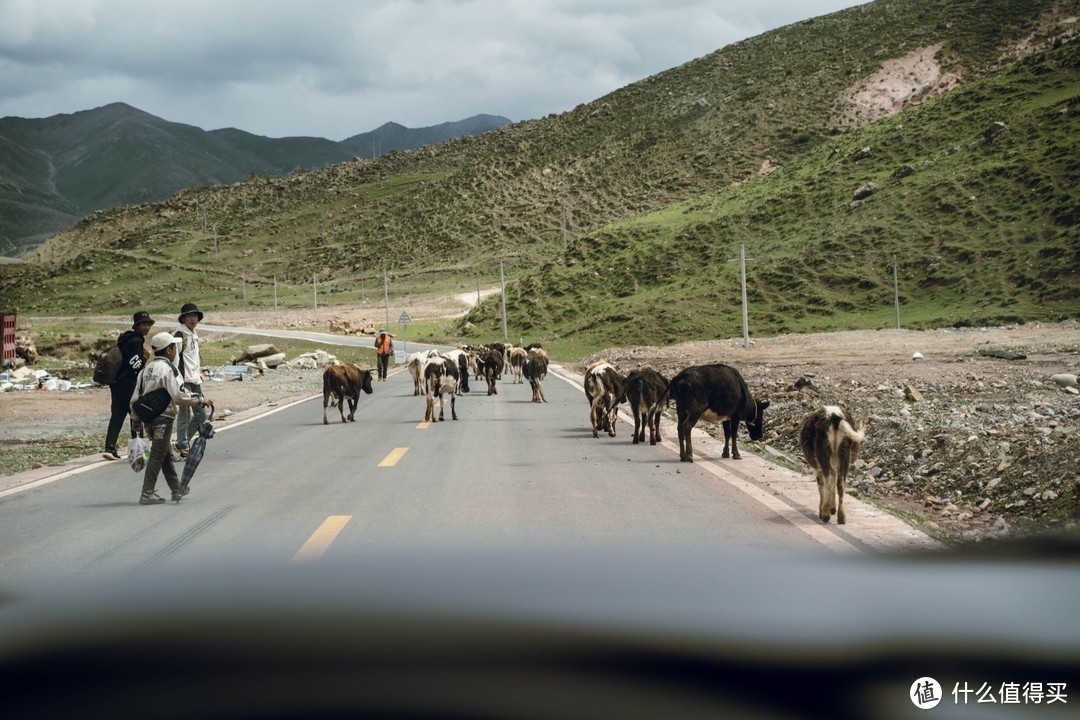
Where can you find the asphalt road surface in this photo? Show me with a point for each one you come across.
(284, 488)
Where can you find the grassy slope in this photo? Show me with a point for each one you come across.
(665, 146)
(984, 233)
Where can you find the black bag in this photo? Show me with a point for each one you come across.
(108, 366)
(149, 405)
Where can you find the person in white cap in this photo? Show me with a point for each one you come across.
(161, 372)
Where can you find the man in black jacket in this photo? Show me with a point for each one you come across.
(131, 345)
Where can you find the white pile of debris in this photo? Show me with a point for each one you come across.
(259, 358)
(23, 378)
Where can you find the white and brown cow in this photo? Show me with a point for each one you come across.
(535, 370)
(516, 359)
(344, 382)
(604, 390)
(644, 388)
(716, 393)
(830, 443)
(441, 377)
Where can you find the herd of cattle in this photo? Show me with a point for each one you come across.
(716, 393)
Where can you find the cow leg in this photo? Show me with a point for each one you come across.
(429, 408)
(453, 410)
(325, 401)
(823, 496)
(654, 427)
(613, 415)
(638, 426)
(352, 408)
(340, 406)
(540, 389)
(841, 478)
(731, 429)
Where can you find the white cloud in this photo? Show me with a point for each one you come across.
(334, 68)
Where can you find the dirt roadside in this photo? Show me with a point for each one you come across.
(965, 445)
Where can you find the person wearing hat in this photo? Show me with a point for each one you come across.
(134, 353)
(161, 372)
(189, 419)
(384, 348)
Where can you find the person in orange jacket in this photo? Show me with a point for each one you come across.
(384, 348)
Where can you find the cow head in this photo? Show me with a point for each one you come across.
(756, 428)
(365, 381)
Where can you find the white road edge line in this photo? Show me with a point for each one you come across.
(826, 537)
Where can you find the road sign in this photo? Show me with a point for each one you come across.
(404, 319)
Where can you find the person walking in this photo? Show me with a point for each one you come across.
(189, 419)
(384, 347)
(161, 372)
(134, 354)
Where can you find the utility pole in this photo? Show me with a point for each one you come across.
(564, 230)
(502, 281)
(745, 314)
(315, 289)
(896, 291)
(386, 297)
(275, 293)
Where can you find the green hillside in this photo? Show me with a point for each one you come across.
(662, 182)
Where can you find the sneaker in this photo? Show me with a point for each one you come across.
(150, 499)
(182, 452)
(110, 455)
(177, 495)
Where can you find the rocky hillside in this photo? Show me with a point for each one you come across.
(768, 140)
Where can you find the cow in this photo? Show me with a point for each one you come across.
(517, 356)
(535, 370)
(716, 393)
(604, 390)
(415, 364)
(830, 443)
(344, 381)
(440, 379)
(460, 358)
(644, 389)
(491, 367)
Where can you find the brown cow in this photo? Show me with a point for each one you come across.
(830, 443)
(644, 388)
(604, 390)
(716, 393)
(344, 381)
(535, 369)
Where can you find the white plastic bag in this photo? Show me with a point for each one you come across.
(138, 453)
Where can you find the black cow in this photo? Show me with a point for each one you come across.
(716, 393)
(344, 381)
(490, 365)
(644, 388)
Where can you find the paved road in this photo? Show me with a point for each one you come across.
(284, 488)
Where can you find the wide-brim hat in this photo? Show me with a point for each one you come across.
(189, 309)
(163, 340)
(141, 317)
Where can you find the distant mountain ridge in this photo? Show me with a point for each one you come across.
(56, 170)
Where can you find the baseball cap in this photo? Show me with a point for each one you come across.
(163, 340)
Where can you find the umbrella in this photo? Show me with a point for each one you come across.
(195, 452)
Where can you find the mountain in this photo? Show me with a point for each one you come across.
(57, 170)
(392, 137)
(941, 133)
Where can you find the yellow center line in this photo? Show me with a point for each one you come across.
(424, 425)
(316, 545)
(392, 459)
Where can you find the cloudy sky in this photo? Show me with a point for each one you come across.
(335, 68)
